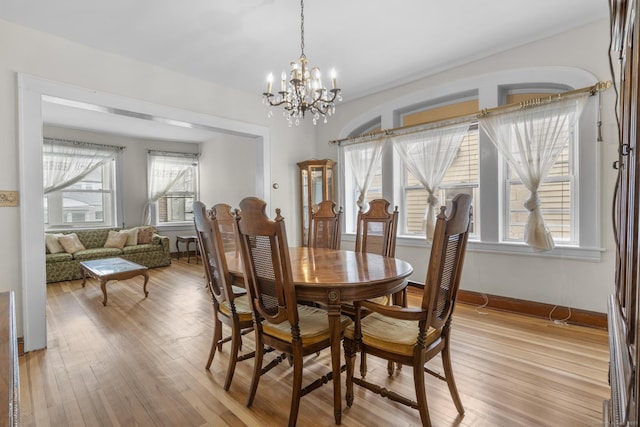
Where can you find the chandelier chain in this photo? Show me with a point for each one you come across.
(302, 28)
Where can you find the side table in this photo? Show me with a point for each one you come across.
(187, 240)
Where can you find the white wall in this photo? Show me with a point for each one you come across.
(227, 170)
(34, 53)
(563, 281)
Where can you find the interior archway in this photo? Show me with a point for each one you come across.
(33, 93)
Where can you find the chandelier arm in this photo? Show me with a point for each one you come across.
(276, 104)
(335, 93)
(323, 110)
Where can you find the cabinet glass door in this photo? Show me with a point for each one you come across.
(305, 201)
(316, 185)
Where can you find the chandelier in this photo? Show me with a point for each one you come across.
(304, 92)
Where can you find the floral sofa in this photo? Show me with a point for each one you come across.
(152, 250)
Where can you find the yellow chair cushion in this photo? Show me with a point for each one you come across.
(394, 335)
(313, 322)
(243, 308)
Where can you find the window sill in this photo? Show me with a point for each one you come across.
(176, 226)
(508, 248)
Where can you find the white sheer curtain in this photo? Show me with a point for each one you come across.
(531, 139)
(362, 159)
(67, 162)
(166, 170)
(428, 155)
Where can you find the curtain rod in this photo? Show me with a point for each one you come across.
(531, 103)
(174, 154)
(81, 143)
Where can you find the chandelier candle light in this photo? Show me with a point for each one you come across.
(304, 91)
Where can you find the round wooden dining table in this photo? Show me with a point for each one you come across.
(332, 277)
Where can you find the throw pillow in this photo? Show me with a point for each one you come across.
(115, 239)
(145, 234)
(71, 243)
(132, 236)
(52, 243)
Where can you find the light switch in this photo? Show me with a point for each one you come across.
(8, 198)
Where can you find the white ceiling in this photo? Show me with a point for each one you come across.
(373, 45)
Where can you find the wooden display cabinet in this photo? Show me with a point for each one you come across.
(316, 185)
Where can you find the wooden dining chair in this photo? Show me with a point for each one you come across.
(325, 226)
(229, 307)
(227, 225)
(376, 231)
(413, 336)
(281, 323)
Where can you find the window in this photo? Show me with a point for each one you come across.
(569, 204)
(374, 192)
(375, 189)
(555, 193)
(79, 184)
(461, 177)
(173, 186)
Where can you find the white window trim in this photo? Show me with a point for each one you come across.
(489, 89)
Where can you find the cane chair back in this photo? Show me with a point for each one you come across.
(265, 255)
(325, 226)
(229, 308)
(389, 331)
(446, 261)
(296, 330)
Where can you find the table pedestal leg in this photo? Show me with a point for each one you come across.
(334, 326)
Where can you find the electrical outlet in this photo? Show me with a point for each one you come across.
(8, 198)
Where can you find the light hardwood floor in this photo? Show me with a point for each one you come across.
(141, 361)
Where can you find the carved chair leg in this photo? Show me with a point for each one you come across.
(257, 368)
(421, 395)
(296, 389)
(215, 344)
(390, 367)
(236, 342)
(363, 364)
(350, 358)
(448, 373)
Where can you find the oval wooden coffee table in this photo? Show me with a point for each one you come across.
(112, 269)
